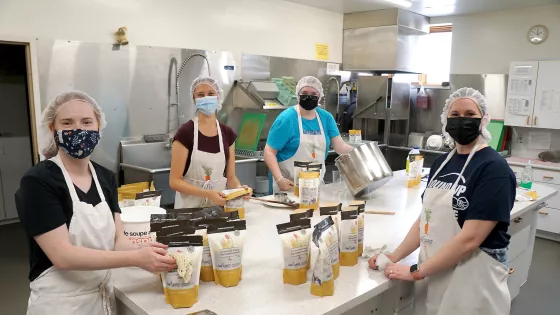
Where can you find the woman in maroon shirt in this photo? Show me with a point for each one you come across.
(203, 154)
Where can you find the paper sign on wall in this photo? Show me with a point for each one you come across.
(540, 140)
(333, 68)
(321, 51)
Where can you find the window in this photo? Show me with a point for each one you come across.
(437, 55)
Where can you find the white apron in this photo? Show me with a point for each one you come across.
(312, 148)
(72, 292)
(205, 171)
(477, 285)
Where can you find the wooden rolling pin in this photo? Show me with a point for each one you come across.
(293, 205)
(379, 212)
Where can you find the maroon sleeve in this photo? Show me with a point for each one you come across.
(185, 135)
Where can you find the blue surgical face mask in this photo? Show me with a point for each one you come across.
(77, 143)
(207, 105)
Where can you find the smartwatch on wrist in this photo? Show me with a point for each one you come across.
(415, 272)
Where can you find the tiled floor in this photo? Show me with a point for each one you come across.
(539, 296)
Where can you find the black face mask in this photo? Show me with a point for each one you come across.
(464, 130)
(308, 102)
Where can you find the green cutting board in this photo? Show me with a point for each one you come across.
(496, 129)
(249, 133)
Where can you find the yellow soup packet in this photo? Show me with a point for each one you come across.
(181, 285)
(235, 201)
(295, 236)
(349, 238)
(322, 281)
(206, 269)
(226, 248)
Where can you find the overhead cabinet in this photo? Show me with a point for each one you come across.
(533, 97)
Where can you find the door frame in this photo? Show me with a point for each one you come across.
(33, 88)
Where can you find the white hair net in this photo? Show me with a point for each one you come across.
(210, 82)
(312, 82)
(48, 146)
(479, 100)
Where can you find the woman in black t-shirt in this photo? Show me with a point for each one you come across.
(69, 210)
(462, 230)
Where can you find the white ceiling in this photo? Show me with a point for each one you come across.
(426, 7)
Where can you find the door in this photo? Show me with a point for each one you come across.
(520, 99)
(2, 211)
(546, 113)
(15, 127)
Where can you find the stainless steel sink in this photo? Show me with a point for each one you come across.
(141, 161)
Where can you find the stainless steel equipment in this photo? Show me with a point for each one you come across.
(383, 109)
(364, 169)
(384, 41)
(141, 161)
(417, 139)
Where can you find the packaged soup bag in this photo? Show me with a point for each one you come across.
(181, 285)
(168, 224)
(295, 236)
(301, 214)
(201, 226)
(332, 209)
(361, 205)
(333, 212)
(349, 238)
(298, 167)
(226, 248)
(322, 281)
(235, 200)
(149, 198)
(309, 182)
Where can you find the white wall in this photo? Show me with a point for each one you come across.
(264, 27)
(488, 42)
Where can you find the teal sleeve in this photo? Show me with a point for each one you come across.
(277, 135)
(332, 128)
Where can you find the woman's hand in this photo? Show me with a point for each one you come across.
(153, 259)
(373, 261)
(217, 197)
(398, 272)
(285, 184)
(153, 244)
(247, 196)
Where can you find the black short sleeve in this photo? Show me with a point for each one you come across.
(114, 203)
(493, 195)
(39, 208)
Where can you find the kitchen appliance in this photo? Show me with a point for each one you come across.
(435, 143)
(364, 169)
(416, 139)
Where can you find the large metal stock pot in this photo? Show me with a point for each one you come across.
(364, 169)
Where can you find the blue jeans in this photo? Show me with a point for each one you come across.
(500, 254)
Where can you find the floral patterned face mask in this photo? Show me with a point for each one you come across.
(77, 143)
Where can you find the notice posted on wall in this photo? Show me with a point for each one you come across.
(321, 51)
(540, 140)
(518, 106)
(550, 102)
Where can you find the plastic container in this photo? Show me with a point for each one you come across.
(357, 136)
(527, 177)
(261, 186)
(414, 151)
(136, 222)
(287, 98)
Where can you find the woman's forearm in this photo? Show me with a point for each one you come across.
(410, 243)
(123, 243)
(233, 182)
(183, 187)
(272, 164)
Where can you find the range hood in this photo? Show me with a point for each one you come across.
(384, 41)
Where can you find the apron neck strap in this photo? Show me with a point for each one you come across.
(73, 194)
(473, 151)
(300, 123)
(196, 130)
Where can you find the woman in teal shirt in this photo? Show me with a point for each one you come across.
(301, 133)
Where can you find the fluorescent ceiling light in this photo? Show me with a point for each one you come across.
(403, 3)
